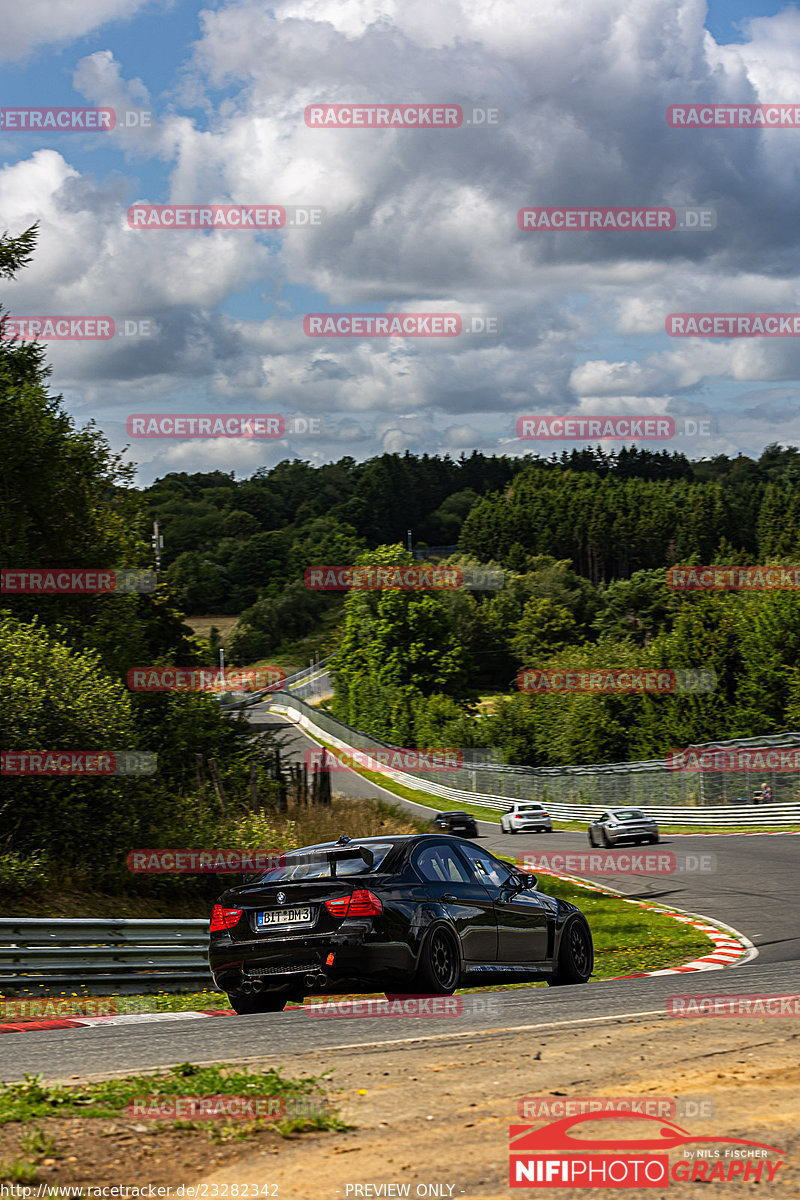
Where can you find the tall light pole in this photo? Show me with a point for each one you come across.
(157, 542)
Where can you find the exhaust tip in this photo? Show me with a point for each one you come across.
(247, 987)
(257, 985)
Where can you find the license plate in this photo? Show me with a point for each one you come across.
(283, 916)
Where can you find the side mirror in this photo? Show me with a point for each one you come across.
(528, 880)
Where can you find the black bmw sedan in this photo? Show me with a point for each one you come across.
(456, 822)
(422, 913)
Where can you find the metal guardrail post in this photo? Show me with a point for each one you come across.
(101, 956)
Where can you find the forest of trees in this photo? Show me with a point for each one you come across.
(241, 546)
(584, 540)
(412, 666)
(66, 500)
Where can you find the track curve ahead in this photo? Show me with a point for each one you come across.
(754, 887)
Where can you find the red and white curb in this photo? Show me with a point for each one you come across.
(740, 833)
(120, 1019)
(731, 948)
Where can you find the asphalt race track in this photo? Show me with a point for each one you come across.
(755, 888)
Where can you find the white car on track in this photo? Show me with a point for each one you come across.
(526, 816)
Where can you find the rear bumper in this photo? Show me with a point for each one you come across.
(630, 835)
(286, 962)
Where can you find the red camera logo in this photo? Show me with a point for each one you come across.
(565, 1154)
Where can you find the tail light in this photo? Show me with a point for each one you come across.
(224, 918)
(359, 903)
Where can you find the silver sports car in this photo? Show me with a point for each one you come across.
(617, 825)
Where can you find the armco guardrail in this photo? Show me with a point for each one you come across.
(101, 956)
(614, 783)
(312, 681)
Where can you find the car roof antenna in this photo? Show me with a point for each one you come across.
(343, 840)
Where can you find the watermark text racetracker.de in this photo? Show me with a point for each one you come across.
(730, 579)
(627, 219)
(210, 861)
(73, 120)
(49, 1008)
(733, 325)
(648, 427)
(551, 1108)
(383, 758)
(248, 217)
(64, 328)
(732, 759)
(733, 116)
(618, 862)
(401, 116)
(221, 425)
(205, 679)
(485, 1004)
(224, 1107)
(89, 763)
(615, 681)
(405, 578)
(65, 580)
(401, 325)
(744, 1004)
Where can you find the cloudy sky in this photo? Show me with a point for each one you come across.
(413, 220)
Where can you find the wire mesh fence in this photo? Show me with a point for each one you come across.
(706, 777)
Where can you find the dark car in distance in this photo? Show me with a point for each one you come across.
(421, 913)
(456, 822)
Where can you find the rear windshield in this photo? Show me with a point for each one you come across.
(314, 864)
(529, 808)
(630, 814)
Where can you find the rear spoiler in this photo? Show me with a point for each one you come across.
(334, 855)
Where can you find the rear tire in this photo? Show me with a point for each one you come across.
(575, 954)
(258, 1002)
(439, 967)
(654, 840)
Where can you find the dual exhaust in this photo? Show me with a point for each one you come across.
(313, 980)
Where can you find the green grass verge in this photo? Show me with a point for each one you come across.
(305, 1105)
(627, 939)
